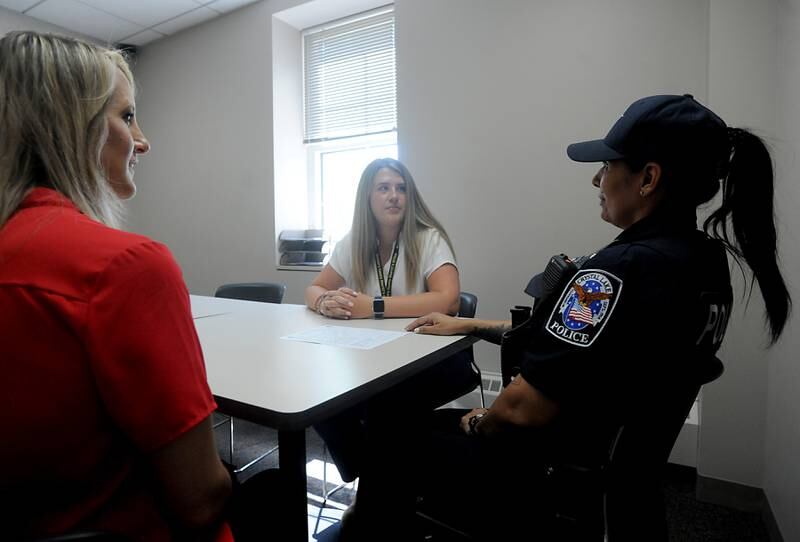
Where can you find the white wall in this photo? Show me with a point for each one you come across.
(289, 151)
(782, 469)
(742, 82)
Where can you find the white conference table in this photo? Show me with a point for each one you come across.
(257, 375)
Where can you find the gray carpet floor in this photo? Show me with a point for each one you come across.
(689, 520)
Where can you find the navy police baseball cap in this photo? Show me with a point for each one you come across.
(664, 126)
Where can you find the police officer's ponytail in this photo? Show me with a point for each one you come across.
(747, 198)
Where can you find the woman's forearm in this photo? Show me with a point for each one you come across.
(411, 306)
(313, 293)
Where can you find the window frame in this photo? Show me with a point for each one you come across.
(314, 152)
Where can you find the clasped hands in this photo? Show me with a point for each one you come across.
(344, 304)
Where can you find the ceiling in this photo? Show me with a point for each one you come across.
(134, 22)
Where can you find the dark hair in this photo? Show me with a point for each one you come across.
(744, 167)
(747, 198)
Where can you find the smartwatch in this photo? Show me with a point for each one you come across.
(377, 307)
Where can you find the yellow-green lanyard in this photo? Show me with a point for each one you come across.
(386, 288)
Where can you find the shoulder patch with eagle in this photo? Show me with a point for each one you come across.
(585, 306)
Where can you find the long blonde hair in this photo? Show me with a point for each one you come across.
(363, 233)
(53, 94)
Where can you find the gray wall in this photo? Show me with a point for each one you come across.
(742, 81)
(205, 102)
(782, 471)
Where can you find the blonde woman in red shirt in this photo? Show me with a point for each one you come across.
(105, 407)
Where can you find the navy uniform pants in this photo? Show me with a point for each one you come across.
(470, 483)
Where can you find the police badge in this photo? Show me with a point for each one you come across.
(584, 307)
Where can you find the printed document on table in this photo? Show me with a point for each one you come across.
(347, 337)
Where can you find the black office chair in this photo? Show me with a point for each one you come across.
(621, 499)
(468, 305)
(264, 292)
(617, 498)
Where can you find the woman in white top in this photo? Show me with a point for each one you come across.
(396, 253)
(398, 260)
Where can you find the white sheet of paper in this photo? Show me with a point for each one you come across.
(347, 337)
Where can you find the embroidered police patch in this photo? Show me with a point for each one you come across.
(584, 307)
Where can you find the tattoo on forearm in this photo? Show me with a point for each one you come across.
(491, 334)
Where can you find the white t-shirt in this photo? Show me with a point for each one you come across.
(434, 253)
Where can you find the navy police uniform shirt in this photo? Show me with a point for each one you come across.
(635, 316)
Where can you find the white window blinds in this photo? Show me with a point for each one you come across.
(350, 82)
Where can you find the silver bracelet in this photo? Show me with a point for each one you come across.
(320, 299)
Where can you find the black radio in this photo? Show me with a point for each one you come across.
(560, 269)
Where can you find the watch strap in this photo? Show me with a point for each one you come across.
(377, 307)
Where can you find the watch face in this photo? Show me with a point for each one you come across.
(377, 305)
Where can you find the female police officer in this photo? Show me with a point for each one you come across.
(634, 322)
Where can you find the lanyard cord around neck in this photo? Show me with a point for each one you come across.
(386, 288)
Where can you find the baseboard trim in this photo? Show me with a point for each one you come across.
(771, 523)
(730, 494)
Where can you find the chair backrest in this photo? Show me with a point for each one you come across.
(265, 292)
(634, 507)
(468, 305)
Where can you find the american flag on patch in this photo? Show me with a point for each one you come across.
(580, 313)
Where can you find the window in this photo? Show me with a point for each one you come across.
(349, 111)
(335, 170)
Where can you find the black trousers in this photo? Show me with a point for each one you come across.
(469, 483)
(257, 506)
(346, 433)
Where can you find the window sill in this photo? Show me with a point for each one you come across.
(316, 268)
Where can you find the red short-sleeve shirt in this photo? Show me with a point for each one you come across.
(101, 365)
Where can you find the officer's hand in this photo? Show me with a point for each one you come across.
(437, 323)
(464, 423)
